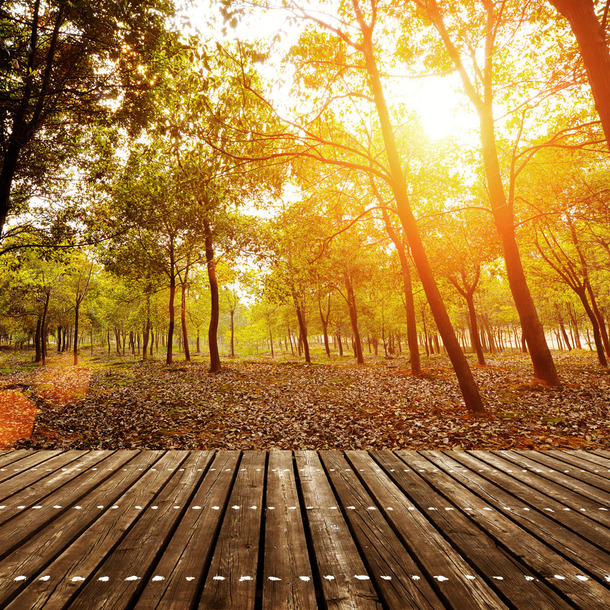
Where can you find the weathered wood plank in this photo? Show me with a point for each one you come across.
(9, 457)
(345, 581)
(15, 531)
(76, 538)
(288, 581)
(447, 570)
(179, 573)
(35, 491)
(132, 561)
(377, 542)
(540, 465)
(592, 458)
(511, 578)
(584, 475)
(232, 576)
(15, 475)
(553, 491)
(592, 560)
(584, 460)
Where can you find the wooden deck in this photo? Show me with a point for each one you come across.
(179, 529)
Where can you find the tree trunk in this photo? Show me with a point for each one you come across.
(76, 316)
(215, 364)
(353, 316)
(468, 387)
(232, 312)
(597, 337)
(302, 331)
(38, 339)
(408, 292)
(172, 316)
(185, 338)
(591, 40)
(474, 329)
(574, 321)
(562, 328)
(600, 319)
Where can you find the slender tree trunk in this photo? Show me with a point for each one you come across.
(407, 285)
(38, 339)
(353, 316)
(75, 346)
(215, 364)
(468, 387)
(339, 344)
(562, 328)
(271, 341)
(474, 329)
(574, 321)
(302, 331)
(597, 337)
(232, 312)
(185, 338)
(600, 319)
(169, 358)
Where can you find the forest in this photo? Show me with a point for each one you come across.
(323, 224)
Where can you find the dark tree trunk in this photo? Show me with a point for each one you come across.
(215, 364)
(574, 321)
(597, 337)
(302, 331)
(562, 328)
(76, 320)
(232, 312)
(172, 317)
(468, 387)
(339, 344)
(38, 339)
(474, 329)
(185, 338)
(408, 292)
(591, 40)
(353, 316)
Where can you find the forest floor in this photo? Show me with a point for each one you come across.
(109, 402)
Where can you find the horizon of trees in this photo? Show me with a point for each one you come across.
(260, 195)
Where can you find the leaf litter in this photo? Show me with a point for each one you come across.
(258, 404)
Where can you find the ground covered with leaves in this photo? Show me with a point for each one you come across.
(108, 403)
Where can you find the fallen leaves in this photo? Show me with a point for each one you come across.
(266, 405)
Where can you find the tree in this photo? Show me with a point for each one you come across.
(67, 65)
(591, 36)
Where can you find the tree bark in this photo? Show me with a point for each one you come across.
(353, 316)
(468, 386)
(215, 364)
(302, 330)
(591, 40)
(474, 329)
(185, 337)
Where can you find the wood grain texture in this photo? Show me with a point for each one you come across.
(304, 529)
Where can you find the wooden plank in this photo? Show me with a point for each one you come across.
(37, 461)
(15, 531)
(591, 457)
(552, 490)
(232, 577)
(344, 580)
(10, 456)
(442, 564)
(490, 487)
(557, 572)
(179, 573)
(390, 564)
(77, 536)
(583, 475)
(582, 461)
(545, 468)
(511, 578)
(288, 581)
(119, 579)
(35, 491)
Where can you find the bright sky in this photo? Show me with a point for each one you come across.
(438, 100)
